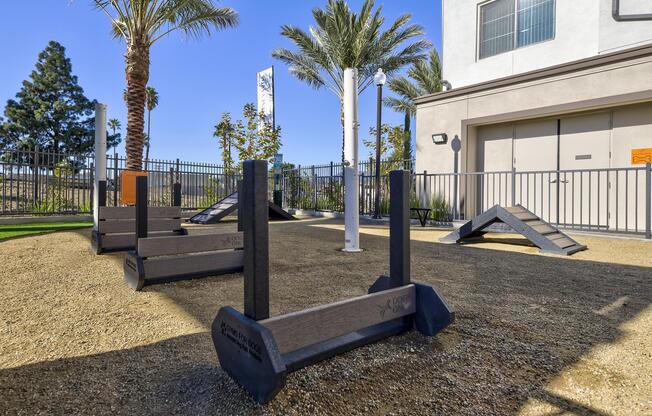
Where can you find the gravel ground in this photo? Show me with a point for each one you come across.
(534, 334)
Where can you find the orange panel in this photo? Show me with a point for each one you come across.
(128, 186)
(641, 156)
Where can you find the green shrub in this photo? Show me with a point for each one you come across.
(440, 209)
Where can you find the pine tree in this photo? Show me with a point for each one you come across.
(51, 110)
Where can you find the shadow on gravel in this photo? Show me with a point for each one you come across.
(160, 378)
(520, 320)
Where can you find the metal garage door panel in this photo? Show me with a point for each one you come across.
(535, 158)
(494, 155)
(632, 129)
(584, 144)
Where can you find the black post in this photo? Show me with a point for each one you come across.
(253, 203)
(379, 110)
(141, 208)
(101, 197)
(239, 190)
(176, 194)
(399, 226)
(115, 178)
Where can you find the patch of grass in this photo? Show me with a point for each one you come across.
(18, 230)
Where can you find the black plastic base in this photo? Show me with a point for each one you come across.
(248, 352)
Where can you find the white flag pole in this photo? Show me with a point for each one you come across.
(351, 179)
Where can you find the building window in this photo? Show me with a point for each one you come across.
(509, 24)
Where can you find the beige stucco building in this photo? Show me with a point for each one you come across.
(541, 86)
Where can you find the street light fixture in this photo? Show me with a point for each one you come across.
(379, 79)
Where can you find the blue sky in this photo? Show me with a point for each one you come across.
(199, 79)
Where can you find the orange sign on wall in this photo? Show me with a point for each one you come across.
(641, 156)
(128, 186)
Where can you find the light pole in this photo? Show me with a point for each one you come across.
(379, 79)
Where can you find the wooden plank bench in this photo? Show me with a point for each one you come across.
(162, 259)
(115, 229)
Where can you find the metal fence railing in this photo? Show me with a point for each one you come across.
(609, 199)
(42, 182)
(36, 182)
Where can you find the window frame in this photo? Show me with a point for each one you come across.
(515, 46)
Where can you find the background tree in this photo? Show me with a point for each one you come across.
(344, 39)
(424, 77)
(226, 132)
(151, 101)
(391, 146)
(141, 23)
(258, 138)
(50, 110)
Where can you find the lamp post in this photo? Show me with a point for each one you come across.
(379, 79)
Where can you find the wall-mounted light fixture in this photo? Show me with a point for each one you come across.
(439, 138)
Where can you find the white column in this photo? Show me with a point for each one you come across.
(351, 179)
(100, 156)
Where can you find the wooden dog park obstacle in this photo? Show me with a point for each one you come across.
(258, 351)
(228, 205)
(540, 233)
(172, 258)
(113, 229)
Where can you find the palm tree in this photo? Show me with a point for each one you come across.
(343, 39)
(424, 77)
(114, 124)
(141, 23)
(151, 101)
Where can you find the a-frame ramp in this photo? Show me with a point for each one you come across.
(548, 238)
(228, 205)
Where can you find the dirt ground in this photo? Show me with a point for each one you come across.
(534, 334)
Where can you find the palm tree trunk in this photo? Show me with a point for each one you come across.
(149, 138)
(137, 74)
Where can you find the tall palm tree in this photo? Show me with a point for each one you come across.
(344, 39)
(424, 77)
(151, 101)
(141, 23)
(114, 125)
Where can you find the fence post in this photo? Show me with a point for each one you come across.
(91, 176)
(425, 193)
(115, 179)
(513, 186)
(648, 201)
(36, 174)
(330, 182)
(314, 189)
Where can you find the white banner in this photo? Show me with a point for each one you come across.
(265, 83)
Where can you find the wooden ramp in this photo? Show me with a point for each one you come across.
(229, 205)
(548, 238)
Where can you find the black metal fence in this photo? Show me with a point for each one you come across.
(41, 182)
(35, 182)
(202, 184)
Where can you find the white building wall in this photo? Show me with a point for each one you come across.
(583, 28)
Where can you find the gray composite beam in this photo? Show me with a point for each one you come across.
(299, 329)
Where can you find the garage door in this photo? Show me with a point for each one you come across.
(494, 158)
(632, 127)
(583, 147)
(535, 158)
